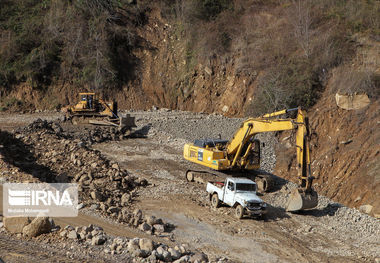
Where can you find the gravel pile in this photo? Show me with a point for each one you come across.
(181, 127)
(141, 249)
(88, 134)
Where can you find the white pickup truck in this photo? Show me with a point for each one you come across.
(239, 193)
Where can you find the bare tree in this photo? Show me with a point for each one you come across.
(300, 18)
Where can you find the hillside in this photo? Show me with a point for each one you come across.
(180, 54)
(238, 58)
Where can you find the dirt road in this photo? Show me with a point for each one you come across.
(284, 237)
(331, 233)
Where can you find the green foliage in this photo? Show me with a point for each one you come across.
(22, 20)
(91, 42)
(84, 42)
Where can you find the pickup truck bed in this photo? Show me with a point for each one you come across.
(217, 184)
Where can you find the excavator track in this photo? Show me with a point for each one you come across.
(202, 177)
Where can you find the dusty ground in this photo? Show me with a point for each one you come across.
(331, 233)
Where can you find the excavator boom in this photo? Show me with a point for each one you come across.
(242, 152)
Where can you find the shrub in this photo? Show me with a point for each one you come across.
(348, 81)
(87, 42)
(287, 85)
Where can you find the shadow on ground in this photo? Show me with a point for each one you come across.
(328, 210)
(142, 132)
(16, 152)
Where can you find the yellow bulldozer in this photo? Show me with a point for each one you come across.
(241, 156)
(94, 110)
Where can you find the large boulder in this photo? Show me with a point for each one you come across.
(163, 254)
(151, 220)
(40, 225)
(15, 224)
(125, 198)
(146, 244)
(183, 259)
(72, 234)
(96, 195)
(159, 228)
(352, 101)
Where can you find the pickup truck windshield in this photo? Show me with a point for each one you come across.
(246, 187)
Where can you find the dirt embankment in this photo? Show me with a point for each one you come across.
(165, 79)
(345, 153)
(344, 143)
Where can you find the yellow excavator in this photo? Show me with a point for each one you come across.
(241, 156)
(94, 110)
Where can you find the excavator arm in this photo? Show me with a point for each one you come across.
(236, 154)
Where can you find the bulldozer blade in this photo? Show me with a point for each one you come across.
(299, 200)
(102, 123)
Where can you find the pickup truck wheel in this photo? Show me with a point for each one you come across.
(239, 212)
(215, 202)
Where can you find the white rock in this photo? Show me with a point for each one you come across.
(366, 209)
(146, 244)
(72, 234)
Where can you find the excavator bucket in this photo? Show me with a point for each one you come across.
(299, 200)
(127, 121)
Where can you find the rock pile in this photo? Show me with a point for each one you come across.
(28, 227)
(86, 134)
(92, 234)
(55, 158)
(102, 184)
(43, 151)
(143, 248)
(149, 224)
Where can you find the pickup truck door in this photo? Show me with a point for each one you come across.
(229, 195)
